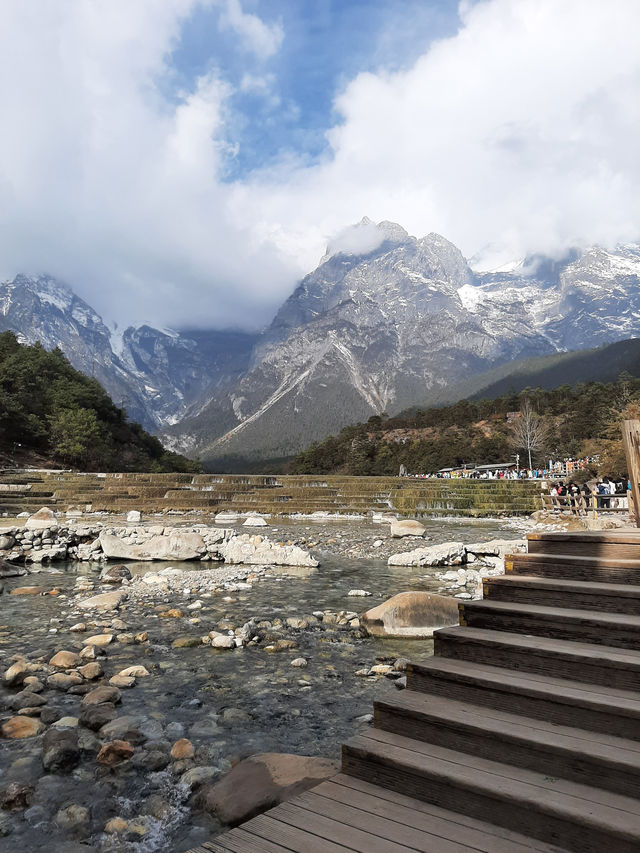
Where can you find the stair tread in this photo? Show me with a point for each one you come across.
(631, 537)
(348, 814)
(574, 559)
(594, 651)
(618, 619)
(543, 734)
(504, 782)
(559, 689)
(568, 585)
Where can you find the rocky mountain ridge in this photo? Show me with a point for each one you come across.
(380, 331)
(386, 321)
(154, 374)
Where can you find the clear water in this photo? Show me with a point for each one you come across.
(307, 711)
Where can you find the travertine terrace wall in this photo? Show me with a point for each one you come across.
(287, 495)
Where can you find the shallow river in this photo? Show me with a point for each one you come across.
(276, 707)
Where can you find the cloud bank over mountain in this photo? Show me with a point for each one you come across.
(521, 131)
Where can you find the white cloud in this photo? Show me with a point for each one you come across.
(257, 37)
(521, 131)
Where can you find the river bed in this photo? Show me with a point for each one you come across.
(229, 703)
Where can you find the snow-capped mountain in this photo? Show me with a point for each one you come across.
(154, 374)
(380, 331)
(386, 321)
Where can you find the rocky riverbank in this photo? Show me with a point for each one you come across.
(197, 665)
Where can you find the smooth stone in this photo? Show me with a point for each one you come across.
(91, 670)
(411, 614)
(134, 516)
(255, 521)
(41, 519)
(299, 662)
(115, 752)
(101, 694)
(123, 728)
(406, 527)
(64, 680)
(122, 681)
(15, 674)
(60, 750)
(115, 574)
(95, 717)
(182, 748)
(262, 781)
(98, 640)
(204, 728)
(105, 601)
(16, 797)
(74, 819)
(26, 699)
(65, 660)
(197, 776)
(21, 727)
(136, 671)
(66, 723)
(447, 554)
(223, 642)
(186, 642)
(26, 590)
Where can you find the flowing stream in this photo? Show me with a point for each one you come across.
(228, 703)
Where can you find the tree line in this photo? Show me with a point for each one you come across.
(50, 409)
(566, 422)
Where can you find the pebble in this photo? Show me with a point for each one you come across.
(299, 662)
(182, 748)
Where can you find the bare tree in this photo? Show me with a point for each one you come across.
(529, 431)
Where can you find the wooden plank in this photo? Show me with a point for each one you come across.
(631, 441)
(360, 840)
(383, 827)
(582, 756)
(614, 629)
(577, 661)
(353, 783)
(294, 838)
(554, 810)
(240, 841)
(436, 823)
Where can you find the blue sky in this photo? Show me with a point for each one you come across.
(187, 162)
(325, 44)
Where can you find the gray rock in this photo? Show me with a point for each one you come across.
(447, 554)
(60, 750)
(115, 574)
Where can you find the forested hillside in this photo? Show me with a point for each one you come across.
(572, 421)
(52, 413)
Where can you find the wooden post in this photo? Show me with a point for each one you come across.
(631, 439)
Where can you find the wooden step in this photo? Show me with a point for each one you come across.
(611, 544)
(587, 706)
(380, 816)
(552, 592)
(590, 758)
(555, 810)
(577, 568)
(585, 662)
(588, 626)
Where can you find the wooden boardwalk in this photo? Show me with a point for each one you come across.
(521, 734)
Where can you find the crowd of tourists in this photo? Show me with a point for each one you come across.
(607, 493)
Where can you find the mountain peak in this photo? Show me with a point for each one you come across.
(364, 237)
